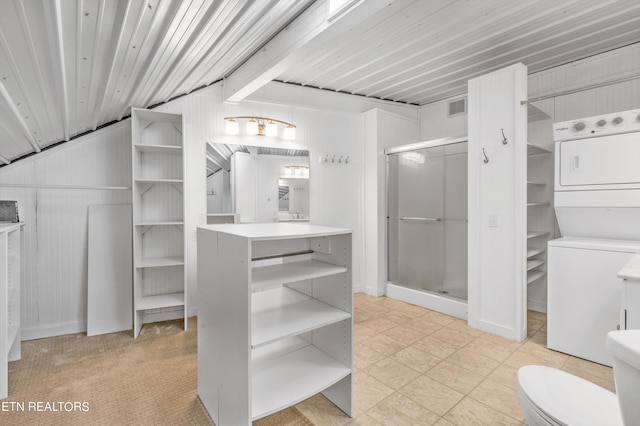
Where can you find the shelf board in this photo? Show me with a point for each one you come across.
(171, 181)
(272, 321)
(162, 149)
(161, 301)
(530, 183)
(538, 204)
(160, 262)
(535, 234)
(160, 222)
(534, 252)
(531, 264)
(289, 272)
(534, 275)
(280, 382)
(535, 114)
(536, 150)
(11, 335)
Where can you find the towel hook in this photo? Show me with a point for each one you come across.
(333, 160)
(340, 159)
(504, 138)
(486, 159)
(346, 160)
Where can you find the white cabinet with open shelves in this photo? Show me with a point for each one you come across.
(540, 222)
(10, 339)
(159, 244)
(270, 336)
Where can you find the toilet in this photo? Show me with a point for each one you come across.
(549, 396)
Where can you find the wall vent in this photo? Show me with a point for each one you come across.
(457, 107)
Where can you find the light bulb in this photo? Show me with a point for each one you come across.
(232, 127)
(252, 127)
(289, 133)
(271, 129)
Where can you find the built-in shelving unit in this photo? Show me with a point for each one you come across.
(270, 336)
(159, 241)
(10, 339)
(539, 195)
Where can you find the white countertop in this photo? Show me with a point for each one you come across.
(631, 271)
(274, 231)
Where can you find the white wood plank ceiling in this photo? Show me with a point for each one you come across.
(70, 66)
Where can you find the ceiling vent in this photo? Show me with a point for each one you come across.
(457, 107)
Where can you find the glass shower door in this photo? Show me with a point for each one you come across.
(415, 210)
(427, 219)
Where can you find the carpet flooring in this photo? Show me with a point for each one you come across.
(114, 380)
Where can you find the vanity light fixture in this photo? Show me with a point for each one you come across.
(296, 170)
(263, 126)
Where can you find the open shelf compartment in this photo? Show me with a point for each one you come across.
(282, 312)
(279, 382)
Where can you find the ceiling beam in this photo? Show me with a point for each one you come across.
(306, 33)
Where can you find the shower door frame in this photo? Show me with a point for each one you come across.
(429, 300)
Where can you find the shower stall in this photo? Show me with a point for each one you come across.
(427, 225)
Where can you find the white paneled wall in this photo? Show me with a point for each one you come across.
(55, 268)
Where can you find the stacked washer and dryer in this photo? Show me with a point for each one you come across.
(597, 204)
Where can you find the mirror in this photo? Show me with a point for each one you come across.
(248, 184)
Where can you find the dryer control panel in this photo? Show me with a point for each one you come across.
(599, 125)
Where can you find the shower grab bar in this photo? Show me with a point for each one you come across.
(426, 219)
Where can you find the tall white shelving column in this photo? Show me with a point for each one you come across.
(275, 318)
(159, 239)
(10, 339)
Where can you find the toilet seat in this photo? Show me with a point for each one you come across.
(560, 398)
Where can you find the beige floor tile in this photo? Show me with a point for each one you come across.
(361, 332)
(404, 335)
(444, 422)
(425, 325)
(320, 411)
(368, 391)
(534, 325)
(457, 338)
(400, 317)
(491, 349)
(472, 412)
(364, 420)
(392, 303)
(506, 374)
(534, 315)
(432, 395)
(473, 361)
(376, 308)
(379, 324)
(440, 318)
(591, 368)
(415, 359)
(502, 341)
(383, 344)
(539, 337)
(455, 377)
(364, 356)
(362, 299)
(520, 359)
(360, 316)
(607, 383)
(398, 410)
(498, 396)
(436, 347)
(461, 325)
(392, 373)
(540, 351)
(414, 310)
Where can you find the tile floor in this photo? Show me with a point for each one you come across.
(414, 366)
